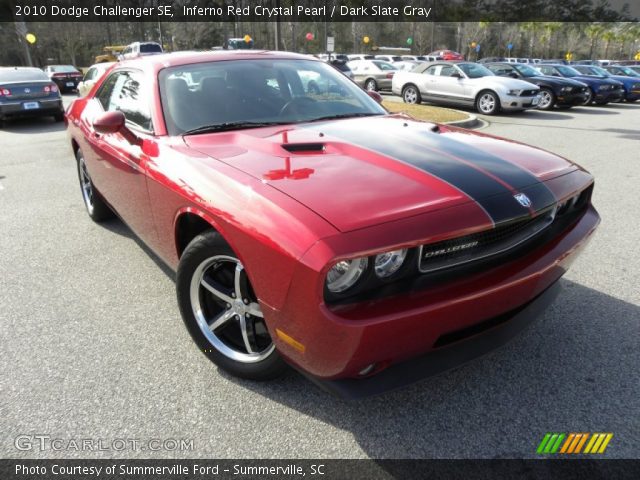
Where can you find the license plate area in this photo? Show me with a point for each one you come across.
(30, 105)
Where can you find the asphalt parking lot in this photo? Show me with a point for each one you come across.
(93, 344)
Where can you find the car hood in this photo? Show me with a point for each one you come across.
(592, 80)
(624, 79)
(361, 172)
(508, 82)
(559, 81)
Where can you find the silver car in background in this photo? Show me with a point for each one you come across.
(92, 75)
(372, 74)
(466, 84)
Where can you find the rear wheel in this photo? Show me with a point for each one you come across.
(96, 206)
(221, 311)
(547, 99)
(371, 84)
(58, 117)
(411, 94)
(488, 103)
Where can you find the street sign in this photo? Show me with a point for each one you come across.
(478, 48)
(330, 44)
(510, 46)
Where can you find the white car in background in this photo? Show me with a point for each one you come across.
(92, 75)
(465, 84)
(372, 74)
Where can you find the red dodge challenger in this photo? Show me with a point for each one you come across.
(310, 227)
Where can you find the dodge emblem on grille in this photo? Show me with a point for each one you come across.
(522, 200)
(27, 90)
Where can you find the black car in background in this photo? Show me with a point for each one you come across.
(67, 77)
(601, 90)
(554, 91)
(26, 91)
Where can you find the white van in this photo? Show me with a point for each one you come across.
(137, 49)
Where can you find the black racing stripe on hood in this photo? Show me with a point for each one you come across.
(431, 153)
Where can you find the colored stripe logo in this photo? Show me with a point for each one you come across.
(574, 443)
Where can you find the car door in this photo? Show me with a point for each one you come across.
(450, 86)
(117, 167)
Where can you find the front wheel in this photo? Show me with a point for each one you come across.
(488, 103)
(411, 95)
(221, 311)
(589, 98)
(547, 99)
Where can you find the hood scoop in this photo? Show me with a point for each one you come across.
(304, 147)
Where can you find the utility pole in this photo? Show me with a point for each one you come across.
(21, 31)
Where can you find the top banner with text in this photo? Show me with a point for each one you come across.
(318, 10)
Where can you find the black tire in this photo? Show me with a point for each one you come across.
(487, 102)
(547, 99)
(602, 102)
(96, 207)
(411, 95)
(633, 100)
(371, 84)
(208, 252)
(59, 117)
(589, 98)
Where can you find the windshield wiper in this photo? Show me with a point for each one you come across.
(221, 127)
(344, 115)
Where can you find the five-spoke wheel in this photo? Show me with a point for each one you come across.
(221, 310)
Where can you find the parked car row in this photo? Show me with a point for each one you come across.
(492, 87)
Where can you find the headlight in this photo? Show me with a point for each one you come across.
(388, 263)
(345, 274)
(514, 92)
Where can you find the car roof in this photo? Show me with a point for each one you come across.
(174, 59)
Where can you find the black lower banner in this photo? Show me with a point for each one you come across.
(201, 469)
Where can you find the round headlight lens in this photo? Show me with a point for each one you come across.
(345, 274)
(388, 263)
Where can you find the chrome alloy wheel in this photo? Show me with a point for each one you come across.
(85, 185)
(487, 103)
(546, 100)
(411, 95)
(227, 312)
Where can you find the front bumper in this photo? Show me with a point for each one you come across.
(571, 99)
(338, 342)
(511, 102)
(498, 331)
(608, 96)
(45, 107)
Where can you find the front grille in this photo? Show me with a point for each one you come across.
(529, 93)
(448, 253)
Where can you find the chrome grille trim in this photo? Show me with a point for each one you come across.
(470, 248)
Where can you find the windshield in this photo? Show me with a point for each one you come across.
(628, 71)
(226, 95)
(22, 75)
(568, 71)
(383, 65)
(63, 68)
(474, 70)
(527, 71)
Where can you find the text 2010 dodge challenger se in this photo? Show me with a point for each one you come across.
(308, 226)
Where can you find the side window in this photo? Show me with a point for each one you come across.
(91, 74)
(106, 90)
(124, 92)
(447, 70)
(432, 70)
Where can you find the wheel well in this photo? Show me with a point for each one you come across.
(488, 90)
(410, 85)
(188, 227)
